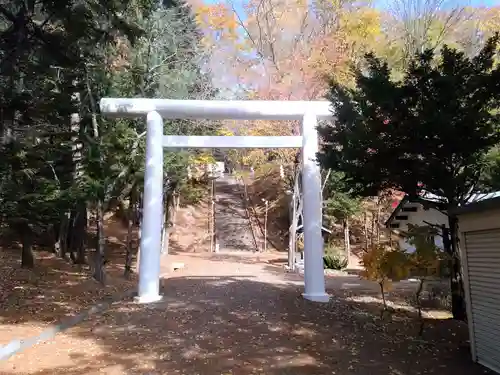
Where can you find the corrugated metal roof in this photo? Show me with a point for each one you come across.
(473, 198)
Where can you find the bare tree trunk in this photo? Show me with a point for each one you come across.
(365, 219)
(372, 232)
(131, 212)
(451, 245)
(138, 219)
(128, 256)
(79, 231)
(78, 217)
(71, 235)
(176, 204)
(138, 210)
(382, 292)
(99, 256)
(139, 250)
(167, 219)
(27, 255)
(77, 227)
(164, 229)
(292, 248)
(61, 245)
(378, 221)
(211, 219)
(418, 295)
(347, 240)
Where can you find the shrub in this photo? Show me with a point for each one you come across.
(385, 265)
(334, 262)
(426, 262)
(300, 244)
(192, 193)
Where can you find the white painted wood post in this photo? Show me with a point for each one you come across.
(150, 248)
(292, 233)
(212, 223)
(265, 224)
(314, 278)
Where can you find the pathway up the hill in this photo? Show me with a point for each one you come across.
(232, 225)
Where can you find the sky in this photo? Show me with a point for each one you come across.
(485, 2)
(238, 4)
(451, 3)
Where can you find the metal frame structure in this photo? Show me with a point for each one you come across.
(309, 112)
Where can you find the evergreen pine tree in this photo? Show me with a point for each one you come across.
(430, 131)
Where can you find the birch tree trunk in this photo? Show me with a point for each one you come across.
(347, 240)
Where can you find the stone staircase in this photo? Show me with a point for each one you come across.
(233, 230)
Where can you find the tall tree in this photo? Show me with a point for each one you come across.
(57, 60)
(46, 51)
(424, 24)
(339, 204)
(428, 132)
(168, 61)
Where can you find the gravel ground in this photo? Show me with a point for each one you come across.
(240, 314)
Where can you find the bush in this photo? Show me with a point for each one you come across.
(334, 262)
(384, 265)
(192, 193)
(300, 244)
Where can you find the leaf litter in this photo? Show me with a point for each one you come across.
(243, 325)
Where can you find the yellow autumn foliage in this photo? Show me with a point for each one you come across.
(358, 30)
(217, 17)
(225, 132)
(426, 259)
(201, 159)
(490, 21)
(361, 26)
(384, 265)
(219, 25)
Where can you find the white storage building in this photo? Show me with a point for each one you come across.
(479, 226)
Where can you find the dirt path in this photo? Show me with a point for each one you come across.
(232, 225)
(239, 314)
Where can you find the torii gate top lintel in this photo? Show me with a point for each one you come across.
(217, 109)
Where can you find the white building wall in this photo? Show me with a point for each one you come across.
(431, 215)
(216, 169)
(406, 246)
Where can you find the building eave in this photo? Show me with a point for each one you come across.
(402, 202)
(407, 199)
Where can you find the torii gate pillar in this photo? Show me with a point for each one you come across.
(314, 283)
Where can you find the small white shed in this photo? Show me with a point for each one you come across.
(479, 225)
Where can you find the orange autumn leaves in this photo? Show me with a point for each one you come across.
(217, 21)
(282, 50)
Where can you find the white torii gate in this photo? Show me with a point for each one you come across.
(309, 112)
